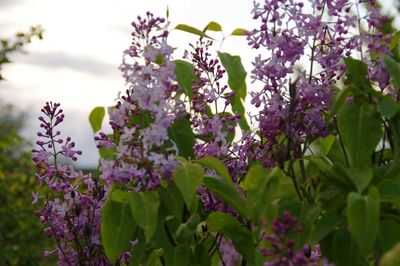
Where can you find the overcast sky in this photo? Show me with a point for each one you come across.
(76, 62)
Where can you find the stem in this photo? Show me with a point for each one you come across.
(341, 143)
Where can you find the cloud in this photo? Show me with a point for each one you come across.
(74, 62)
(9, 3)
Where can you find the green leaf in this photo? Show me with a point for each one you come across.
(394, 69)
(361, 130)
(241, 237)
(188, 177)
(213, 26)
(182, 255)
(344, 250)
(389, 232)
(392, 257)
(226, 191)
(239, 32)
(360, 175)
(321, 146)
(96, 118)
(363, 218)
(144, 207)
(325, 226)
(236, 73)
(238, 108)
(357, 73)
(260, 185)
(120, 196)
(186, 231)
(117, 228)
(387, 106)
(185, 76)
(154, 258)
(215, 164)
(389, 189)
(172, 201)
(181, 133)
(192, 30)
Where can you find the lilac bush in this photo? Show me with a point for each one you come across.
(178, 187)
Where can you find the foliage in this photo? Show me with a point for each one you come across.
(9, 46)
(21, 236)
(313, 181)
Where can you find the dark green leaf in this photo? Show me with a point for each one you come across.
(357, 73)
(96, 118)
(236, 73)
(389, 189)
(361, 130)
(181, 133)
(226, 191)
(185, 76)
(363, 218)
(238, 108)
(360, 175)
(387, 106)
(144, 208)
(188, 178)
(192, 30)
(241, 237)
(117, 228)
(344, 250)
(392, 257)
(393, 68)
(324, 226)
(389, 232)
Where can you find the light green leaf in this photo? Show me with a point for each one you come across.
(117, 228)
(188, 178)
(96, 118)
(213, 26)
(261, 185)
(144, 208)
(236, 73)
(192, 30)
(363, 218)
(154, 258)
(226, 191)
(215, 164)
(185, 76)
(239, 32)
(241, 237)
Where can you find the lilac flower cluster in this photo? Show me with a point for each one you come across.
(281, 245)
(72, 200)
(289, 33)
(213, 122)
(144, 153)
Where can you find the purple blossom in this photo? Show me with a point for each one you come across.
(71, 210)
(141, 117)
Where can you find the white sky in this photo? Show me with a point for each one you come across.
(76, 62)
